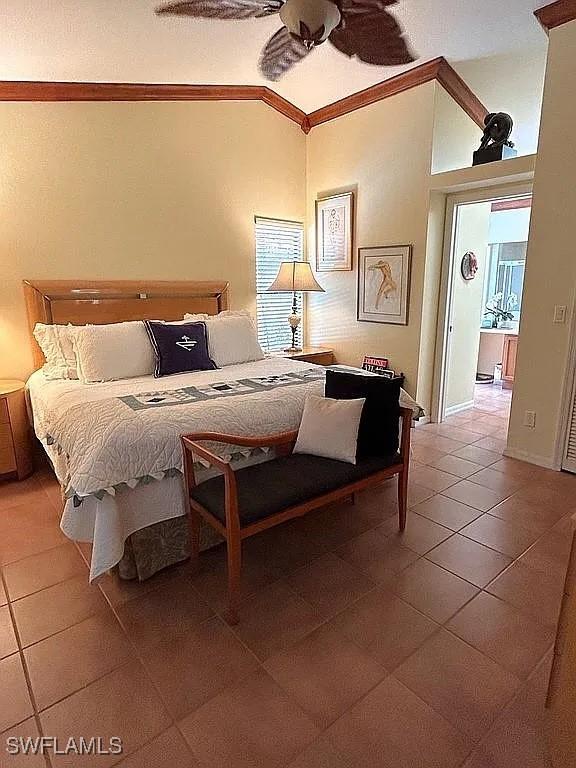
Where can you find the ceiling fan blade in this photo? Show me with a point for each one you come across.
(281, 52)
(222, 9)
(371, 33)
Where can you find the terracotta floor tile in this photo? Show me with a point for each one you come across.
(533, 592)
(163, 612)
(500, 482)
(29, 528)
(447, 512)
(431, 478)
(274, 619)
(460, 434)
(520, 469)
(444, 444)
(393, 728)
(386, 627)
(549, 554)
(329, 584)
(421, 534)
(122, 704)
(8, 644)
(191, 668)
(469, 560)
(536, 517)
(15, 704)
(325, 674)
(119, 591)
(460, 683)
(475, 495)
(418, 493)
(283, 729)
(3, 595)
(68, 661)
(497, 445)
(499, 534)
(432, 590)
(49, 611)
(169, 750)
(377, 555)
(478, 455)
(26, 730)
(29, 492)
(518, 738)
(502, 633)
(43, 570)
(323, 754)
(426, 455)
(456, 465)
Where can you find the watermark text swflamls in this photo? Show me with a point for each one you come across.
(42, 745)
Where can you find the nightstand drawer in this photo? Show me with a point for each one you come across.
(7, 455)
(4, 415)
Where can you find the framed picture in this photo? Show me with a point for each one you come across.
(384, 284)
(334, 226)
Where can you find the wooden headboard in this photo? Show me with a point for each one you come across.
(113, 301)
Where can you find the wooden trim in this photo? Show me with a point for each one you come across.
(436, 69)
(35, 90)
(556, 14)
(511, 205)
(111, 301)
(451, 81)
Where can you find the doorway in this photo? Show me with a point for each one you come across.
(483, 274)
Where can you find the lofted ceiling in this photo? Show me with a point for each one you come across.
(124, 41)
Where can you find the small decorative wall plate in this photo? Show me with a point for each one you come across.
(469, 266)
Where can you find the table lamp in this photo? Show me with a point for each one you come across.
(294, 277)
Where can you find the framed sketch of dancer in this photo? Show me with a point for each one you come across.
(334, 232)
(384, 284)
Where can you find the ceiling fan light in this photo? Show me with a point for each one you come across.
(320, 17)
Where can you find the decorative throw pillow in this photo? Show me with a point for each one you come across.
(379, 427)
(112, 351)
(232, 340)
(179, 348)
(55, 341)
(329, 428)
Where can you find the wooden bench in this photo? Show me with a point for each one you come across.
(240, 503)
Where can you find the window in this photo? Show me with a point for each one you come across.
(505, 276)
(276, 241)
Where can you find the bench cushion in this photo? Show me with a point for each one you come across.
(273, 486)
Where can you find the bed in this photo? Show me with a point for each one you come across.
(115, 446)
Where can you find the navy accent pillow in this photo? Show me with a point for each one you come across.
(179, 348)
(378, 434)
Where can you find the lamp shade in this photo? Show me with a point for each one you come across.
(295, 276)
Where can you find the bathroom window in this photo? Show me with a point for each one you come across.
(505, 276)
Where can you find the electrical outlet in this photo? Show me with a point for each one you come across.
(559, 314)
(530, 419)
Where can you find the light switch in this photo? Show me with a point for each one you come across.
(559, 313)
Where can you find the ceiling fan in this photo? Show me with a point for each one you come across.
(361, 28)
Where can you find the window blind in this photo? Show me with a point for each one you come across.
(276, 241)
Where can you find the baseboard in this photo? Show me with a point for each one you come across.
(457, 408)
(532, 458)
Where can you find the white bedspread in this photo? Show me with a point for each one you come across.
(102, 448)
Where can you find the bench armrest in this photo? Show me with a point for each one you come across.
(406, 416)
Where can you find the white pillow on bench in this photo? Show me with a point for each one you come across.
(329, 428)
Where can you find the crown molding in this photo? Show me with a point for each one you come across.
(38, 90)
(556, 14)
(437, 69)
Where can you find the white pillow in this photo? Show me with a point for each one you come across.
(114, 351)
(199, 318)
(329, 428)
(55, 341)
(233, 340)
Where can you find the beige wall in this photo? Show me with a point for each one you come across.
(511, 83)
(550, 262)
(467, 295)
(137, 190)
(456, 135)
(384, 151)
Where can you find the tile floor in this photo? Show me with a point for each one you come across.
(358, 646)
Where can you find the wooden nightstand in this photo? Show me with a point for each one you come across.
(15, 448)
(316, 355)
